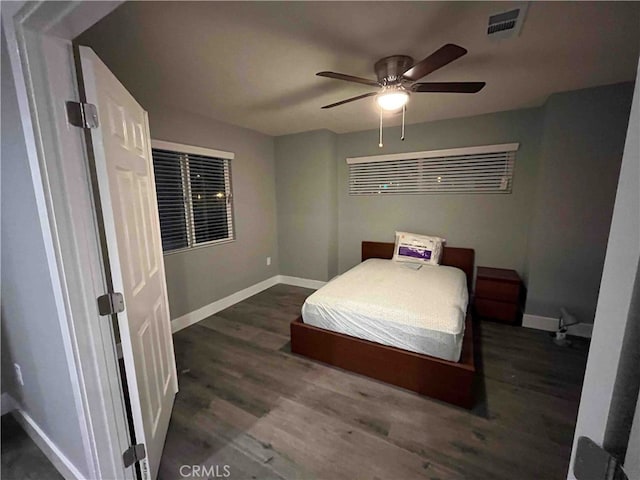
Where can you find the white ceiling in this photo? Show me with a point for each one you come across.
(253, 64)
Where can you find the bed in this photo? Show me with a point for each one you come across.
(427, 347)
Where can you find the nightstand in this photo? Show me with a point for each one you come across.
(497, 294)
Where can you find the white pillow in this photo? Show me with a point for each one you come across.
(414, 248)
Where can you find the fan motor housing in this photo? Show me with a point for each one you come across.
(389, 70)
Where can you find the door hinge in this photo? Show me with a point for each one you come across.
(83, 115)
(134, 454)
(110, 303)
(594, 463)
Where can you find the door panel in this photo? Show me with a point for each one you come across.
(124, 170)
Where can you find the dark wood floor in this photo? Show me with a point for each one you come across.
(21, 458)
(247, 403)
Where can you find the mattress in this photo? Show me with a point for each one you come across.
(421, 310)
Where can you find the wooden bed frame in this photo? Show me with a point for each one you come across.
(450, 382)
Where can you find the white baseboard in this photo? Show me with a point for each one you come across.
(7, 404)
(190, 318)
(59, 460)
(197, 315)
(551, 325)
(301, 282)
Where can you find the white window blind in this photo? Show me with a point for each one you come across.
(485, 169)
(193, 187)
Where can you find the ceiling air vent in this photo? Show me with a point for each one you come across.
(507, 24)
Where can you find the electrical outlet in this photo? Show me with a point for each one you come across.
(268, 261)
(18, 374)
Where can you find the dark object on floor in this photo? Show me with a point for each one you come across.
(21, 458)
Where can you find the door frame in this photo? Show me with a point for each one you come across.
(601, 405)
(39, 38)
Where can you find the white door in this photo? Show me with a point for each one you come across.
(126, 184)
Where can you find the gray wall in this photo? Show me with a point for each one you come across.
(552, 228)
(31, 333)
(307, 204)
(200, 276)
(580, 156)
(495, 225)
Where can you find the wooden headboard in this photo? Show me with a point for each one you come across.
(462, 258)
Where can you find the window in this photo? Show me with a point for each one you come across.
(193, 186)
(486, 169)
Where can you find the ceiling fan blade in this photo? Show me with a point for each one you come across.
(348, 78)
(436, 60)
(448, 87)
(352, 99)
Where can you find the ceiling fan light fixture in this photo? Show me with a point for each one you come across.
(398, 76)
(392, 98)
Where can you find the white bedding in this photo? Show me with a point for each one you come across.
(387, 302)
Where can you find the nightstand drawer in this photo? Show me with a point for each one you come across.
(497, 290)
(506, 312)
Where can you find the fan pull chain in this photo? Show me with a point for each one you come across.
(380, 144)
(403, 110)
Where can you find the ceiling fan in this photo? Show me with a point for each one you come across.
(397, 77)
